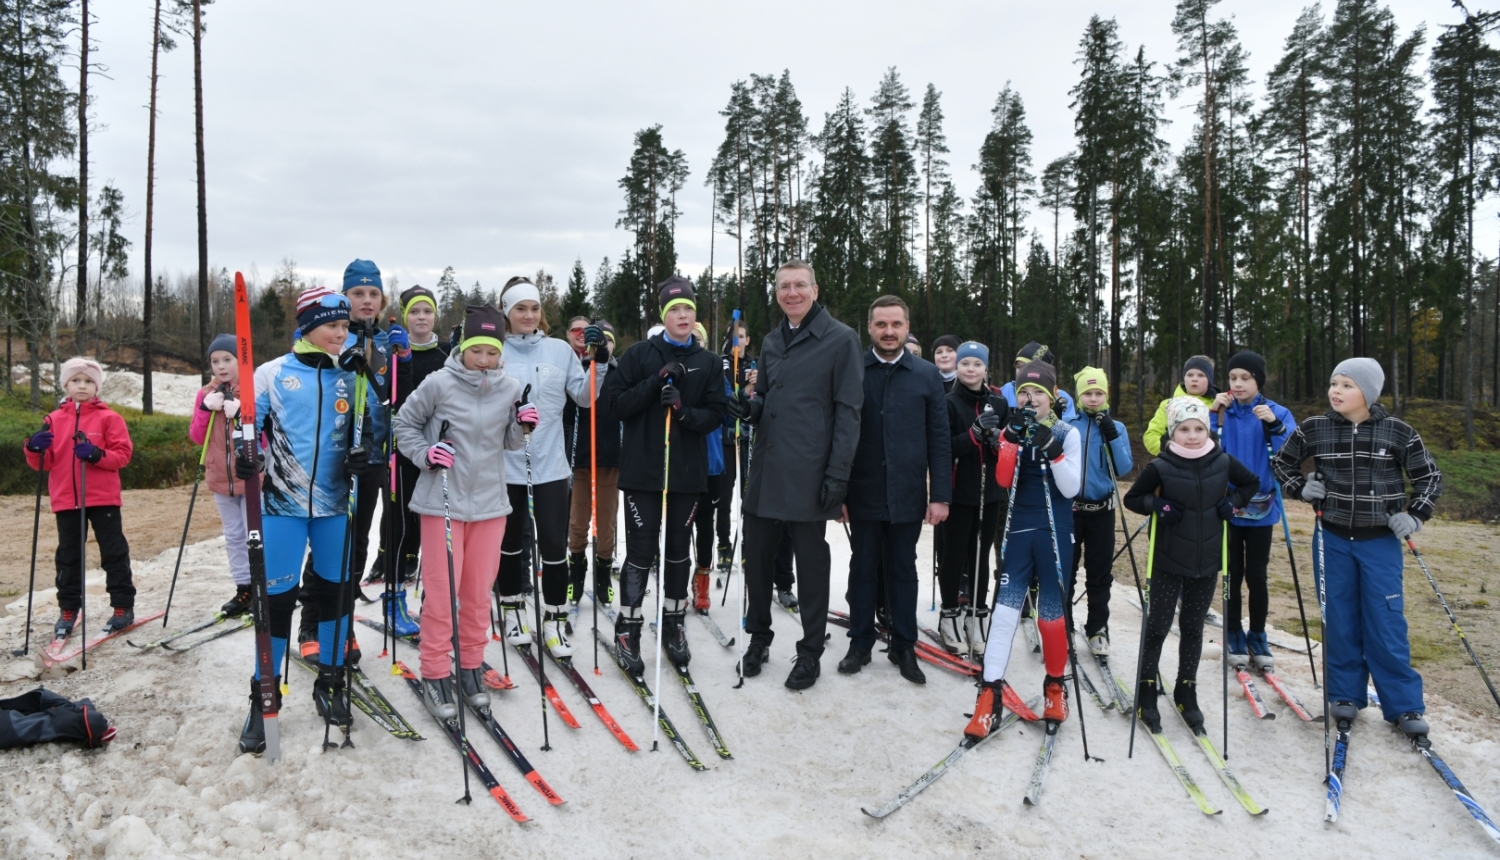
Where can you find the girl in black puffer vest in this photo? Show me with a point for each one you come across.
(1187, 488)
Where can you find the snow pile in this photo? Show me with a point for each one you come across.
(171, 393)
(172, 785)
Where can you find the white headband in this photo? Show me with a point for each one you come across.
(519, 293)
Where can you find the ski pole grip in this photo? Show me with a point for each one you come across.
(443, 432)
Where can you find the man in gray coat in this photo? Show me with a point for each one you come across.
(805, 408)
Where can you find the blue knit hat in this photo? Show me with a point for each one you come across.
(362, 273)
(222, 343)
(974, 349)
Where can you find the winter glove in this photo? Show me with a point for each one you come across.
(357, 463)
(1168, 511)
(39, 442)
(1404, 525)
(231, 408)
(352, 360)
(1015, 428)
(601, 350)
(671, 370)
(1314, 491)
(1107, 426)
(832, 495)
(1043, 440)
(671, 397)
(734, 407)
(245, 469)
(213, 401)
(399, 341)
(88, 452)
(440, 456)
(527, 414)
(1225, 508)
(985, 424)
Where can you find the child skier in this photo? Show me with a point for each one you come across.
(307, 407)
(1040, 459)
(1193, 489)
(668, 381)
(1094, 509)
(1364, 458)
(85, 435)
(214, 414)
(1197, 381)
(964, 619)
(477, 402)
(1251, 427)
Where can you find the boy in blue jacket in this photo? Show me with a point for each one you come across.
(1251, 428)
(1094, 508)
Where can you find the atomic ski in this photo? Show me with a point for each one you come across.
(260, 601)
(528, 772)
(56, 653)
(566, 664)
(1424, 746)
(1043, 764)
(1252, 695)
(476, 764)
(1289, 697)
(1193, 791)
(696, 699)
(948, 763)
(551, 692)
(649, 700)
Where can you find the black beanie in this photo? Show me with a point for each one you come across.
(675, 289)
(949, 340)
(1037, 372)
(1203, 363)
(1036, 352)
(1251, 362)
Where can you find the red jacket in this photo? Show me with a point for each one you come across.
(106, 429)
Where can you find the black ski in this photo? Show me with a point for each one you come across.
(649, 699)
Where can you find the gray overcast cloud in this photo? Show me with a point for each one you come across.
(490, 137)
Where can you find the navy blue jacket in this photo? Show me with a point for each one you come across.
(904, 442)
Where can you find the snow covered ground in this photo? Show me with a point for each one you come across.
(804, 763)
(171, 394)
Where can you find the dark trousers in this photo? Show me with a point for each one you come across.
(956, 541)
(551, 501)
(723, 512)
(114, 551)
(1197, 594)
(643, 543)
(1093, 546)
(808, 545)
(366, 501)
(871, 542)
(1249, 553)
(708, 503)
(785, 578)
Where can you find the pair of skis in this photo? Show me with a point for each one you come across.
(1258, 704)
(58, 651)
(373, 703)
(174, 643)
(1214, 758)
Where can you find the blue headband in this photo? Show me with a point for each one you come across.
(974, 349)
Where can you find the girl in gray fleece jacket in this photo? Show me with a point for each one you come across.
(461, 420)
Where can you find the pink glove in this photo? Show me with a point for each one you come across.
(526, 414)
(213, 401)
(231, 408)
(440, 456)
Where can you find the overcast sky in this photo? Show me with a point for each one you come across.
(491, 137)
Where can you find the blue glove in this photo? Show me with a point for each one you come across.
(88, 452)
(398, 339)
(39, 442)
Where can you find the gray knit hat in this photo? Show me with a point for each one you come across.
(1366, 373)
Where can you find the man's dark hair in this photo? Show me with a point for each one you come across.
(890, 302)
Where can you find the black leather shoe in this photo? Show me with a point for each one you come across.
(756, 655)
(856, 659)
(804, 674)
(906, 660)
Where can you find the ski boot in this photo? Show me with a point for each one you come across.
(726, 558)
(1238, 648)
(674, 637)
(513, 621)
(471, 681)
(1343, 714)
(1412, 725)
(1185, 696)
(437, 697)
(122, 618)
(307, 633)
(604, 580)
(1146, 706)
(976, 630)
(253, 735)
(1055, 697)
(786, 598)
(65, 623)
(554, 634)
(1099, 644)
(986, 711)
(1260, 651)
(701, 599)
(328, 696)
(239, 604)
(628, 644)
(948, 631)
(396, 615)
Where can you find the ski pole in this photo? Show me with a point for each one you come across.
(1114, 474)
(1224, 646)
(36, 525)
(661, 569)
(1322, 580)
(1140, 654)
(83, 532)
(734, 543)
(978, 532)
(1062, 585)
(1291, 557)
(1451, 619)
(463, 735)
(536, 565)
(388, 526)
(594, 502)
(192, 500)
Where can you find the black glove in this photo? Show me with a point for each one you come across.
(592, 334)
(352, 360)
(601, 351)
(357, 463)
(1107, 427)
(1043, 440)
(246, 468)
(672, 370)
(832, 495)
(735, 407)
(1015, 426)
(1225, 508)
(985, 424)
(1168, 511)
(671, 397)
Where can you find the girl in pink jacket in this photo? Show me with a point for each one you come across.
(215, 414)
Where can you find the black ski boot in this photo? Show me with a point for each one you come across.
(578, 572)
(604, 584)
(1343, 714)
(253, 735)
(674, 637)
(726, 558)
(1412, 725)
(1185, 696)
(65, 624)
(1146, 706)
(328, 696)
(239, 604)
(628, 645)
